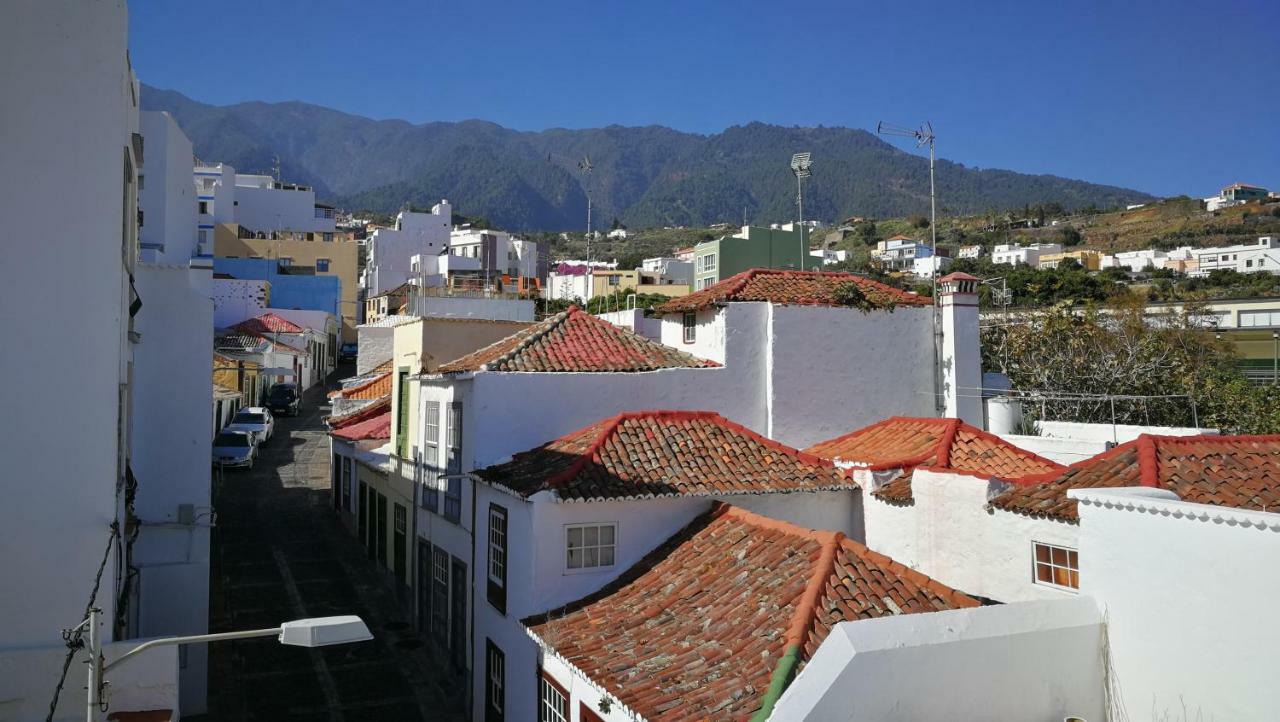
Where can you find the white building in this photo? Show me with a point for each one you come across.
(975, 251)
(1127, 648)
(1135, 261)
(492, 254)
(930, 266)
(830, 256)
(1016, 254)
(1261, 256)
(390, 250)
(618, 233)
(670, 270)
(71, 160)
(265, 204)
(900, 252)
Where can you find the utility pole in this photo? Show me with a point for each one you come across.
(585, 166)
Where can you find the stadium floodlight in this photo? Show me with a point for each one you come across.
(800, 165)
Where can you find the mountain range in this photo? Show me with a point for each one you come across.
(645, 176)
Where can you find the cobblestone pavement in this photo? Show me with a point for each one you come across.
(280, 553)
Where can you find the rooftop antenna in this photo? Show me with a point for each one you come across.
(924, 136)
(585, 166)
(800, 165)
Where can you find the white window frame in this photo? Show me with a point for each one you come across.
(496, 688)
(707, 263)
(598, 547)
(1053, 565)
(689, 327)
(497, 566)
(553, 707)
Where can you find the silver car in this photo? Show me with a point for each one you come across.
(235, 449)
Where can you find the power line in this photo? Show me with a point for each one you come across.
(72, 636)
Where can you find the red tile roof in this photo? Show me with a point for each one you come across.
(663, 453)
(802, 288)
(374, 388)
(1235, 471)
(375, 427)
(903, 442)
(698, 628)
(574, 341)
(268, 323)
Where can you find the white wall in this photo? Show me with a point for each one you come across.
(1015, 662)
(494, 309)
(269, 209)
(373, 346)
(167, 196)
(172, 429)
(833, 370)
(839, 510)
(66, 128)
(1060, 449)
(1189, 592)
(236, 300)
(390, 249)
(146, 682)
(635, 321)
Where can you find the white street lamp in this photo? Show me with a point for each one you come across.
(315, 632)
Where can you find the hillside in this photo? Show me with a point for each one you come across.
(646, 176)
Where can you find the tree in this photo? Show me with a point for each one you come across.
(1069, 236)
(616, 224)
(1075, 362)
(918, 221)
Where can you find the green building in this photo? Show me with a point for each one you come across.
(1243, 192)
(752, 247)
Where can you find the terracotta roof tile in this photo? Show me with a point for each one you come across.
(574, 341)
(1235, 471)
(373, 388)
(268, 323)
(802, 288)
(375, 427)
(663, 453)
(907, 443)
(697, 628)
(363, 413)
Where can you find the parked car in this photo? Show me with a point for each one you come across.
(347, 353)
(235, 449)
(283, 398)
(256, 420)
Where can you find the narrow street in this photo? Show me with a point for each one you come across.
(280, 553)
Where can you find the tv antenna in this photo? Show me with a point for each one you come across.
(585, 166)
(800, 165)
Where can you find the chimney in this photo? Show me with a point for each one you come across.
(961, 353)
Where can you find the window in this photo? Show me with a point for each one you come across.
(553, 700)
(707, 263)
(439, 593)
(402, 411)
(142, 183)
(204, 208)
(498, 557)
(590, 546)
(431, 456)
(400, 519)
(586, 714)
(346, 483)
(322, 264)
(690, 323)
(495, 667)
(613, 280)
(453, 487)
(328, 237)
(203, 237)
(1259, 318)
(285, 262)
(311, 236)
(1056, 566)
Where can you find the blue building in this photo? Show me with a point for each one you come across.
(291, 286)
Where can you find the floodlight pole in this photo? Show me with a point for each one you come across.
(804, 247)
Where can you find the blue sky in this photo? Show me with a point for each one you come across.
(1166, 97)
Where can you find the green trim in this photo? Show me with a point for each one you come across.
(778, 683)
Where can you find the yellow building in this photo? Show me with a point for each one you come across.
(339, 257)
(608, 281)
(1252, 325)
(1090, 260)
(239, 375)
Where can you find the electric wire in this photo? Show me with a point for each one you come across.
(73, 636)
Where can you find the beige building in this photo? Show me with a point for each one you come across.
(339, 257)
(1090, 260)
(386, 304)
(608, 281)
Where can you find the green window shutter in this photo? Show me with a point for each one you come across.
(402, 411)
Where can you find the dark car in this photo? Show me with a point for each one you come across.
(347, 353)
(283, 398)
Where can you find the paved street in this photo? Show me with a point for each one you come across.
(280, 553)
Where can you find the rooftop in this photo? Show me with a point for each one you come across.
(268, 323)
(373, 388)
(371, 426)
(574, 341)
(1236, 471)
(802, 288)
(905, 443)
(663, 453)
(362, 413)
(700, 627)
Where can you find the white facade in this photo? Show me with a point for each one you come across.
(1188, 591)
(829, 256)
(900, 252)
(493, 309)
(1261, 256)
(635, 321)
(930, 266)
(390, 250)
(166, 195)
(569, 287)
(1135, 261)
(1015, 254)
(236, 300)
(265, 205)
(670, 270)
(974, 251)
(72, 154)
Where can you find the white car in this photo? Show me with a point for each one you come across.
(256, 420)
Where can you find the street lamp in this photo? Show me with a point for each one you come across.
(800, 165)
(315, 632)
(1275, 357)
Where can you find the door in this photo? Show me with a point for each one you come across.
(362, 526)
(399, 549)
(495, 683)
(336, 480)
(382, 530)
(458, 613)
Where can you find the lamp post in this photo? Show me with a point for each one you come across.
(1275, 357)
(315, 632)
(800, 165)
